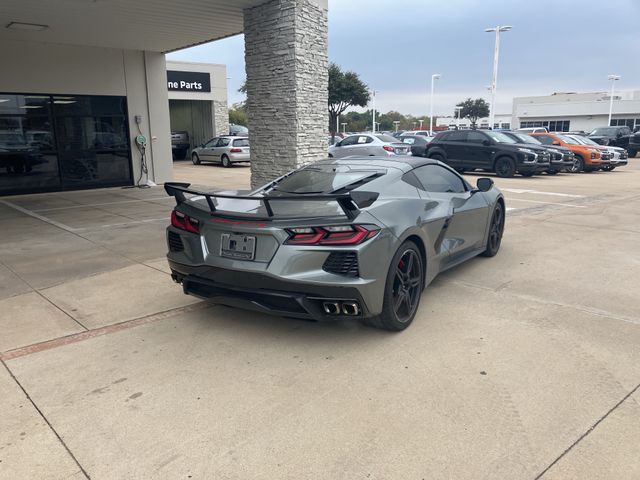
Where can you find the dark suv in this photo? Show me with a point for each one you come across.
(617, 137)
(561, 158)
(488, 150)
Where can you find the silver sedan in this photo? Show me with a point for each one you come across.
(369, 144)
(224, 150)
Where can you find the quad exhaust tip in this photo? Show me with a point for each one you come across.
(341, 308)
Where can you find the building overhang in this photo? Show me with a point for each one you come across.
(152, 25)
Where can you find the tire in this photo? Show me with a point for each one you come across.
(527, 174)
(552, 172)
(632, 153)
(578, 165)
(504, 167)
(226, 163)
(437, 157)
(496, 229)
(402, 291)
(195, 159)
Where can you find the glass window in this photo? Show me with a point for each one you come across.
(408, 140)
(349, 141)
(243, 142)
(475, 137)
(436, 178)
(386, 138)
(211, 143)
(319, 180)
(223, 142)
(89, 105)
(500, 137)
(457, 136)
(545, 139)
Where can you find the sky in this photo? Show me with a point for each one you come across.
(396, 45)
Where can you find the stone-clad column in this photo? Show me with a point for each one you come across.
(287, 85)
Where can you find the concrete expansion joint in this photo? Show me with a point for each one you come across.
(46, 420)
(587, 433)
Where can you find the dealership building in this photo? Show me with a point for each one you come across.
(84, 97)
(577, 111)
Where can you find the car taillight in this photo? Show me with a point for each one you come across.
(236, 150)
(333, 235)
(184, 222)
(388, 148)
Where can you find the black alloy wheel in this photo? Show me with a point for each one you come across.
(505, 167)
(496, 229)
(407, 285)
(403, 289)
(578, 164)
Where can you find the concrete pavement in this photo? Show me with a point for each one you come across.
(522, 366)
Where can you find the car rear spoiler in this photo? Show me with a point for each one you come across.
(350, 202)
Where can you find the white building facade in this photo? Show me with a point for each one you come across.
(577, 111)
(500, 120)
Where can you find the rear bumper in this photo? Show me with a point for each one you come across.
(263, 293)
(239, 157)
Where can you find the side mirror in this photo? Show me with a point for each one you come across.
(555, 142)
(339, 144)
(484, 184)
(486, 143)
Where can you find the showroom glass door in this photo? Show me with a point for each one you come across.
(28, 152)
(93, 141)
(63, 142)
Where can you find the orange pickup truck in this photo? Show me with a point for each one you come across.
(587, 158)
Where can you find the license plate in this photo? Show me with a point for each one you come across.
(239, 247)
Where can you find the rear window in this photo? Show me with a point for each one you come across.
(320, 180)
(387, 138)
(243, 142)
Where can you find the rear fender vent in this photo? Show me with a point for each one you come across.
(175, 242)
(342, 263)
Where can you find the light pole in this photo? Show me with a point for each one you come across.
(373, 94)
(344, 127)
(421, 120)
(396, 123)
(458, 117)
(494, 81)
(434, 77)
(612, 79)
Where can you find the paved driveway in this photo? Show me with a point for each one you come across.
(526, 365)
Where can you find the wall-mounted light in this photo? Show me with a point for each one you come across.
(34, 27)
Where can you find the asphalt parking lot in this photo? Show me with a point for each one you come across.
(522, 366)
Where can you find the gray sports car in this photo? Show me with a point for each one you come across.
(352, 238)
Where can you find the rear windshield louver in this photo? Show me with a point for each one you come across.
(342, 263)
(175, 242)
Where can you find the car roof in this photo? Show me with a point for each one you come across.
(401, 162)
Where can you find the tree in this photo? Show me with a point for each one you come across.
(473, 109)
(238, 114)
(345, 90)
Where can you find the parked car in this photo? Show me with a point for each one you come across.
(621, 136)
(418, 143)
(424, 133)
(397, 134)
(371, 144)
(587, 158)
(356, 238)
(16, 155)
(619, 155)
(225, 150)
(533, 130)
(488, 150)
(180, 145)
(560, 158)
(238, 130)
